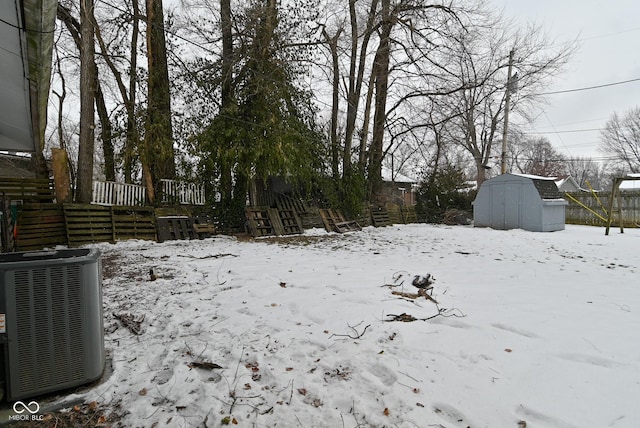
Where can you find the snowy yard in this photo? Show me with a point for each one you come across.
(535, 328)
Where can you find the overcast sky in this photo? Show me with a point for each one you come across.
(609, 38)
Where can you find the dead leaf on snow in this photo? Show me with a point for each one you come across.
(203, 365)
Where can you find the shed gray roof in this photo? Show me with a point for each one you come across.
(547, 189)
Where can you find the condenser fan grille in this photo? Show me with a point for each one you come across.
(48, 315)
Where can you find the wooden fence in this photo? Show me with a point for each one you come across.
(47, 225)
(111, 193)
(181, 192)
(576, 213)
(93, 223)
(40, 226)
(27, 189)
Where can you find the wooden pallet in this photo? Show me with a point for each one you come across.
(204, 229)
(265, 221)
(286, 202)
(176, 228)
(260, 222)
(334, 221)
(290, 222)
(380, 217)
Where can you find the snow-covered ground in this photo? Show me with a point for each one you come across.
(535, 328)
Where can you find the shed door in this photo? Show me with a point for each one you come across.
(497, 207)
(505, 205)
(512, 205)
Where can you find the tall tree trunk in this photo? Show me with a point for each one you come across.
(357, 65)
(335, 104)
(228, 99)
(227, 53)
(381, 72)
(84, 185)
(74, 27)
(106, 135)
(158, 158)
(364, 137)
(133, 136)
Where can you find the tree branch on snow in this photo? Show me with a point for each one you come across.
(357, 334)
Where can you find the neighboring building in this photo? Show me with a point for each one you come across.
(19, 166)
(631, 185)
(399, 189)
(512, 201)
(567, 183)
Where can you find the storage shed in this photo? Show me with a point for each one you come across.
(512, 201)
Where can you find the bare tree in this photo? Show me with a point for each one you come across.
(483, 61)
(536, 156)
(621, 139)
(84, 185)
(586, 172)
(159, 157)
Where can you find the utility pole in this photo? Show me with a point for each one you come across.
(503, 157)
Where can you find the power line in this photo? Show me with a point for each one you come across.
(591, 87)
(565, 132)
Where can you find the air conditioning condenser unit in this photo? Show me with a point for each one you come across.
(51, 325)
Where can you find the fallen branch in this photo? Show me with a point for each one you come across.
(404, 317)
(421, 293)
(212, 256)
(130, 321)
(357, 334)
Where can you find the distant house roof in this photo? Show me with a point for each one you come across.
(397, 177)
(567, 183)
(631, 184)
